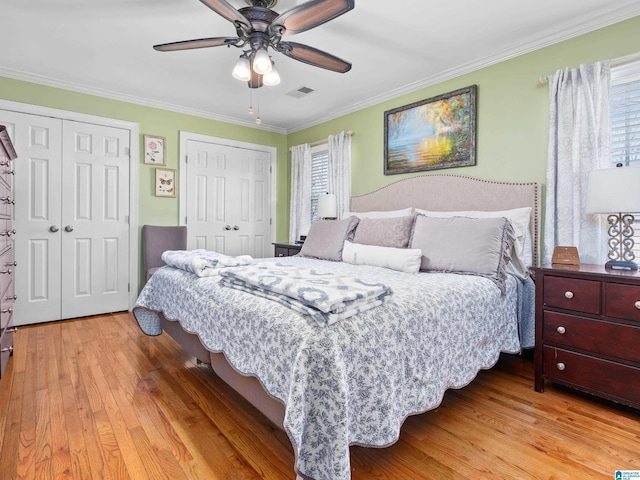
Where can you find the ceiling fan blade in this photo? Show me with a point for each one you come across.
(224, 9)
(313, 56)
(198, 43)
(310, 14)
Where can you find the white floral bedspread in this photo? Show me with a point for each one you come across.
(356, 381)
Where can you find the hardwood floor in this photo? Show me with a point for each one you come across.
(95, 398)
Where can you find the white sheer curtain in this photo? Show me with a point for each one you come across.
(578, 144)
(300, 212)
(339, 176)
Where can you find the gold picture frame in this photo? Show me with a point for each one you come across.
(154, 150)
(439, 132)
(165, 182)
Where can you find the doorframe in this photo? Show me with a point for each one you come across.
(134, 156)
(273, 154)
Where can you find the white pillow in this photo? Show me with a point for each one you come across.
(382, 214)
(402, 259)
(522, 255)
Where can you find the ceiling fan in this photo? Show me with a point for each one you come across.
(258, 28)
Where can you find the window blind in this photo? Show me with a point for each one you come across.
(625, 123)
(319, 174)
(624, 117)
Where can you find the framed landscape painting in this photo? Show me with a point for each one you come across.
(438, 132)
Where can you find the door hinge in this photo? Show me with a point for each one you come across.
(127, 151)
(270, 169)
(270, 220)
(185, 220)
(128, 287)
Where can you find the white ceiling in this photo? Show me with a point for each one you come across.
(105, 48)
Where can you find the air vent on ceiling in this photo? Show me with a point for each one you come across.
(301, 92)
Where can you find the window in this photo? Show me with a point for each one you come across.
(624, 105)
(625, 114)
(319, 174)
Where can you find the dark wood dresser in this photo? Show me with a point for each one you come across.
(286, 249)
(7, 263)
(588, 330)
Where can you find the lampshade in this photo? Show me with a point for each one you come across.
(262, 62)
(614, 190)
(327, 206)
(242, 69)
(272, 78)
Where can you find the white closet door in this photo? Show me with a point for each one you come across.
(37, 214)
(95, 230)
(76, 175)
(228, 199)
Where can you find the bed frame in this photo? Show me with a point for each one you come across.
(436, 192)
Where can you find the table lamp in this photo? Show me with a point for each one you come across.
(616, 191)
(327, 206)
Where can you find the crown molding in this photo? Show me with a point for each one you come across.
(122, 97)
(579, 26)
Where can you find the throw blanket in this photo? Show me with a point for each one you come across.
(203, 263)
(326, 297)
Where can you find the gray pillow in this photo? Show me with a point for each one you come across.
(385, 232)
(325, 239)
(478, 246)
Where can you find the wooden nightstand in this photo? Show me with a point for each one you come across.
(286, 249)
(588, 330)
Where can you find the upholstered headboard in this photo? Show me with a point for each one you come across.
(447, 192)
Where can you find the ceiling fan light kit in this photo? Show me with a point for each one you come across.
(258, 28)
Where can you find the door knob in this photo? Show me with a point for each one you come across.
(54, 228)
(68, 228)
(236, 227)
(227, 227)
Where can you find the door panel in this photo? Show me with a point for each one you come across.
(95, 236)
(228, 199)
(75, 175)
(37, 214)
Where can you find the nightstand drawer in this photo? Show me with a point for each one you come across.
(590, 374)
(622, 301)
(600, 337)
(572, 294)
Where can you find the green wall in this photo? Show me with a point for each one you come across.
(512, 118)
(511, 128)
(153, 210)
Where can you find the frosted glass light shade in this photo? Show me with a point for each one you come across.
(242, 69)
(614, 190)
(272, 78)
(262, 62)
(327, 206)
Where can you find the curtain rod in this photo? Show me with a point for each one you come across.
(616, 62)
(322, 142)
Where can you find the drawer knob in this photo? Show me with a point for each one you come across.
(568, 294)
(637, 304)
(561, 330)
(560, 365)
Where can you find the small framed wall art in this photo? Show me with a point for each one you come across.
(165, 182)
(154, 150)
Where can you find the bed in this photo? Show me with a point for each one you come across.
(354, 382)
